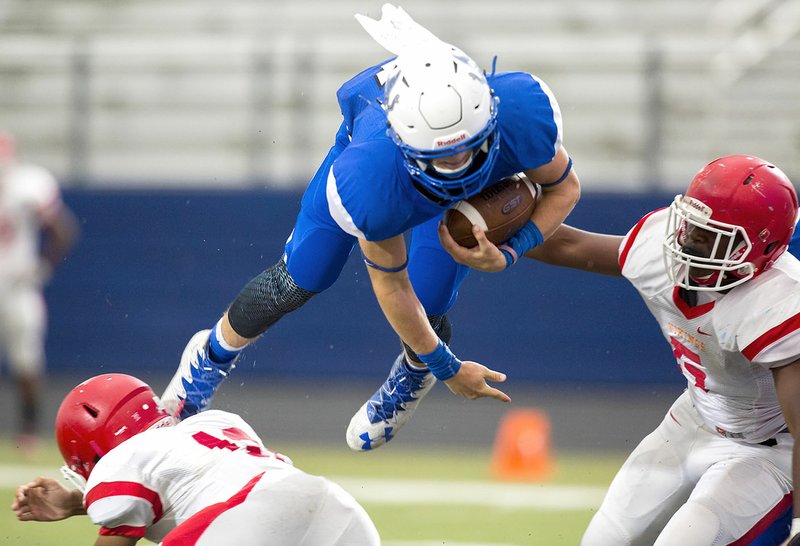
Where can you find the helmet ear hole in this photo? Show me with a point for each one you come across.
(101, 413)
(770, 247)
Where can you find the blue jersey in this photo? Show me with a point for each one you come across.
(364, 184)
(794, 244)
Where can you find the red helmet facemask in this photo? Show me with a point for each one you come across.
(747, 206)
(101, 413)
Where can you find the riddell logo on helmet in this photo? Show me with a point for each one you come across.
(695, 205)
(450, 141)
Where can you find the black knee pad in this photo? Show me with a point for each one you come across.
(264, 300)
(441, 325)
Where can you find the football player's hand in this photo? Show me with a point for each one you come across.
(45, 499)
(471, 382)
(483, 257)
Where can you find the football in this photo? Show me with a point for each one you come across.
(501, 210)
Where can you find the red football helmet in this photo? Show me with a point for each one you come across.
(750, 207)
(101, 413)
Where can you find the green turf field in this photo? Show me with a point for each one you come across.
(415, 497)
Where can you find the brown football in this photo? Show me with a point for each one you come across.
(501, 210)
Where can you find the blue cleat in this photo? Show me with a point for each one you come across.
(379, 419)
(198, 377)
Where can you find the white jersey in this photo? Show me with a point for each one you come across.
(727, 344)
(154, 481)
(29, 198)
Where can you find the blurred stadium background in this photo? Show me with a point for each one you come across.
(185, 131)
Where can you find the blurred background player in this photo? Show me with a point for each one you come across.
(718, 470)
(206, 480)
(36, 231)
(420, 132)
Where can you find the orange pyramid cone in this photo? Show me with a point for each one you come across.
(522, 447)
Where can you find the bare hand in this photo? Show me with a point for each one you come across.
(483, 257)
(470, 382)
(45, 499)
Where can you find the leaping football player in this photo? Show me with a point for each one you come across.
(420, 131)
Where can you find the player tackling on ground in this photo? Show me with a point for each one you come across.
(713, 270)
(205, 481)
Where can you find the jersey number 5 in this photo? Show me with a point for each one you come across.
(689, 362)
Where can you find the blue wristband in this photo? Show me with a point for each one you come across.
(525, 239)
(442, 363)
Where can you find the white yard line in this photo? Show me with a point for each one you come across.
(439, 543)
(471, 493)
(419, 492)
(12, 475)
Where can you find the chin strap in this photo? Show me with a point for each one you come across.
(73, 478)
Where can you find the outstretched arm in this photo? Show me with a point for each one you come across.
(44, 499)
(578, 249)
(787, 386)
(567, 247)
(405, 313)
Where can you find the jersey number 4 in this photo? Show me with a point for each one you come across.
(689, 362)
(237, 439)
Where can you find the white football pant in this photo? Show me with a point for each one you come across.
(301, 510)
(686, 485)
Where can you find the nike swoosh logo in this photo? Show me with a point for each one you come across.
(701, 332)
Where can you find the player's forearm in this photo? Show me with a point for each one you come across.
(403, 310)
(787, 387)
(74, 506)
(60, 237)
(578, 249)
(556, 204)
